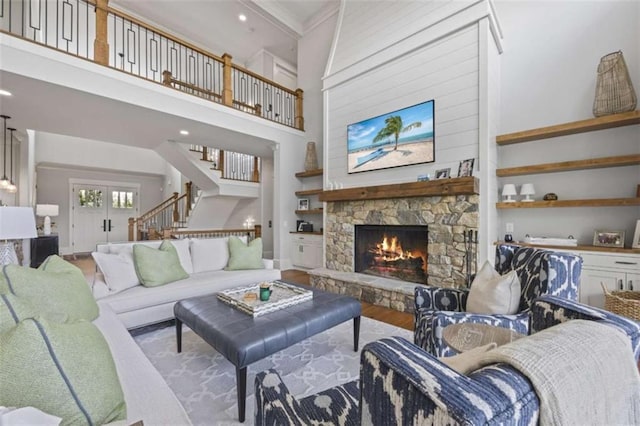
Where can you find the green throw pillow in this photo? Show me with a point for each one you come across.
(65, 370)
(13, 310)
(57, 287)
(242, 256)
(158, 266)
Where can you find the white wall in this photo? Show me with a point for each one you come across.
(549, 64)
(313, 52)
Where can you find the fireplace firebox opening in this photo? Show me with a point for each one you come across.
(392, 251)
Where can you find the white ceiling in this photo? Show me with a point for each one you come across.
(272, 25)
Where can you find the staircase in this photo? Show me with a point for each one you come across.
(172, 214)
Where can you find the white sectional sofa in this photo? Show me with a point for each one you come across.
(115, 284)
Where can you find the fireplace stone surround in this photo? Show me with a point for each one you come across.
(448, 207)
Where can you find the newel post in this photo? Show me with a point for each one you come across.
(166, 78)
(299, 117)
(131, 229)
(256, 172)
(258, 231)
(188, 189)
(100, 44)
(227, 91)
(176, 212)
(221, 163)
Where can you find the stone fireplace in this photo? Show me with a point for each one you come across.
(449, 208)
(393, 251)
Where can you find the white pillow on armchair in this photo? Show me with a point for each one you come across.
(492, 293)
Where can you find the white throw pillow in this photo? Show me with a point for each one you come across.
(184, 255)
(468, 361)
(118, 270)
(492, 293)
(209, 254)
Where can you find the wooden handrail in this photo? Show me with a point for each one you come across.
(163, 205)
(163, 33)
(211, 233)
(168, 80)
(261, 78)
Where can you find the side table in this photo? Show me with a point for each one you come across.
(43, 247)
(465, 336)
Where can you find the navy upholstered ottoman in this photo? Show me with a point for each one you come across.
(244, 339)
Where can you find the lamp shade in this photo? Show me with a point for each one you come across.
(509, 189)
(17, 223)
(47, 210)
(527, 190)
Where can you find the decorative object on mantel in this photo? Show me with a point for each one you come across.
(527, 190)
(614, 90)
(636, 236)
(608, 239)
(550, 196)
(466, 167)
(311, 159)
(443, 173)
(508, 191)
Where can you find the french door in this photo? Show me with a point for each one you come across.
(101, 214)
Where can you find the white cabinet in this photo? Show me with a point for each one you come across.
(306, 250)
(616, 271)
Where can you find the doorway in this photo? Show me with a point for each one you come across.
(100, 213)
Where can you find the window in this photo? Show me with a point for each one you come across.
(90, 198)
(122, 199)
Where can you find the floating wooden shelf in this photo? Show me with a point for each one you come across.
(309, 173)
(599, 123)
(453, 186)
(309, 192)
(306, 233)
(310, 211)
(576, 248)
(601, 202)
(592, 163)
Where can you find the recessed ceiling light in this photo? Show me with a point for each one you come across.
(184, 132)
(5, 92)
(242, 17)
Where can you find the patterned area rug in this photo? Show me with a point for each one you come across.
(205, 382)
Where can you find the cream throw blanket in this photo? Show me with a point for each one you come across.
(583, 372)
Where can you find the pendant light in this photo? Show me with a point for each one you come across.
(12, 188)
(4, 182)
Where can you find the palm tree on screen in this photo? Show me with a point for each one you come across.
(394, 126)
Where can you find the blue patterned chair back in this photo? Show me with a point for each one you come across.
(541, 272)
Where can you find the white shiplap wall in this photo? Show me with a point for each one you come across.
(446, 70)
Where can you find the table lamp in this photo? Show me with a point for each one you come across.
(508, 191)
(16, 223)
(47, 210)
(527, 190)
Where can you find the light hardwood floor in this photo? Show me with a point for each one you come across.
(399, 319)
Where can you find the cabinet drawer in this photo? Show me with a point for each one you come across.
(613, 261)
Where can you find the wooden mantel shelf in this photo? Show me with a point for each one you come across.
(453, 186)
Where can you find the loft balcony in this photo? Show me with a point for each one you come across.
(95, 31)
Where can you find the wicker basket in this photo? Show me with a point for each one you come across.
(622, 302)
(614, 90)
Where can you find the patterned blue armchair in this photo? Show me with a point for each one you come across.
(541, 272)
(402, 384)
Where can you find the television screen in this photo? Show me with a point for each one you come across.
(399, 138)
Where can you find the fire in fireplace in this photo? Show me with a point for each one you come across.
(394, 251)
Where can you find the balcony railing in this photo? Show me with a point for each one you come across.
(232, 165)
(93, 30)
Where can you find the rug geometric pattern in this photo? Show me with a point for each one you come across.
(205, 382)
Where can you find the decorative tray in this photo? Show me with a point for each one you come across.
(282, 296)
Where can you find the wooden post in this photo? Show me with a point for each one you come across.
(100, 44)
(131, 229)
(299, 117)
(256, 172)
(258, 110)
(258, 231)
(188, 189)
(166, 78)
(204, 154)
(176, 212)
(227, 90)
(221, 163)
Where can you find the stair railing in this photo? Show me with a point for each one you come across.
(178, 234)
(172, 213)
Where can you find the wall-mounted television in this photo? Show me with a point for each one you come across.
(399, 138)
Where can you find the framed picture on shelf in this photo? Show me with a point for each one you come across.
(636, 236)
(303, 204)
(609, 238)
(443, 173)
(466, 167)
